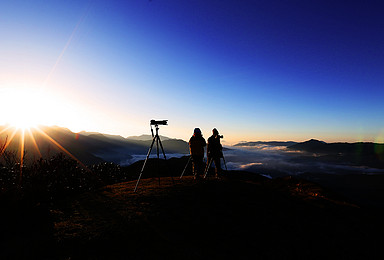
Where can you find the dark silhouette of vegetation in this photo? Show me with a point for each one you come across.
(60, 176)
(56, 177)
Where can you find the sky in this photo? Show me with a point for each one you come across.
(255, 70)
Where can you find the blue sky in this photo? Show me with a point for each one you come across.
(256, 70)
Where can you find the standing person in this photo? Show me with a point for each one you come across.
(215, 151)
(196, 148)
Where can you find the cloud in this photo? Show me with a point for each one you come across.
(279, 161)
(274, 161)
(137, 157)
(250, 164)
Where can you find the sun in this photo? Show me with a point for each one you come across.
(23, 108)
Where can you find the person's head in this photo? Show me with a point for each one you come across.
(196, 132)
(215, 132)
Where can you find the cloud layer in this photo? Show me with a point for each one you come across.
(275, 161)
(278, 161)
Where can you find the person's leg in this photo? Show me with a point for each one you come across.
(217, 162)
(200, 166)
(197, 165)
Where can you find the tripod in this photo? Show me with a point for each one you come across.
(156, 138)
(190, 157)
(210, 163)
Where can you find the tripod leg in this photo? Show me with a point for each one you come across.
(145, 162)
(162, 149)
(207, 168)
(181, 176)
(157, 146)
(165, 158)
(158, 156)
(225, 164)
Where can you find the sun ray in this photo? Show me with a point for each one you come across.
(53, 69)
(8, 141)
(34, 142)
(62, 148)
(22, 139)
(5, 129)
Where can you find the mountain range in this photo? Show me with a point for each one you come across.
(269, 143)
(87, 147)
(360, 153)
(93, 147)
(317, 146)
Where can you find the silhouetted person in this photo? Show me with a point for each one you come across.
(215, 151)
(196, 148)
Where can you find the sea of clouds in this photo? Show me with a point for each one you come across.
(138, 157)
(274, 161)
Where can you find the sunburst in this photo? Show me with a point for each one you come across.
(23, 132)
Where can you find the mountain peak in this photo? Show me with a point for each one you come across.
(315, 141)
(312, 145)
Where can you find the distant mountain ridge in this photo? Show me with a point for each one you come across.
(271, 143)
(146, 138)
(360, 153)
(89, 148)
(314, 145)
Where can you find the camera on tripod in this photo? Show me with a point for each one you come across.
(159, 122)
(156, 139)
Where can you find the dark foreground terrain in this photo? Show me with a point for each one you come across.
(241, 216)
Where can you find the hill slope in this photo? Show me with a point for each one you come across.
(242, 216)
(89, 148)
(231, 218)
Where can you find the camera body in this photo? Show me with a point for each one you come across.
(220, 136)
(159, 122)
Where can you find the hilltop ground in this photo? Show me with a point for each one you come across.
(241, 216)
